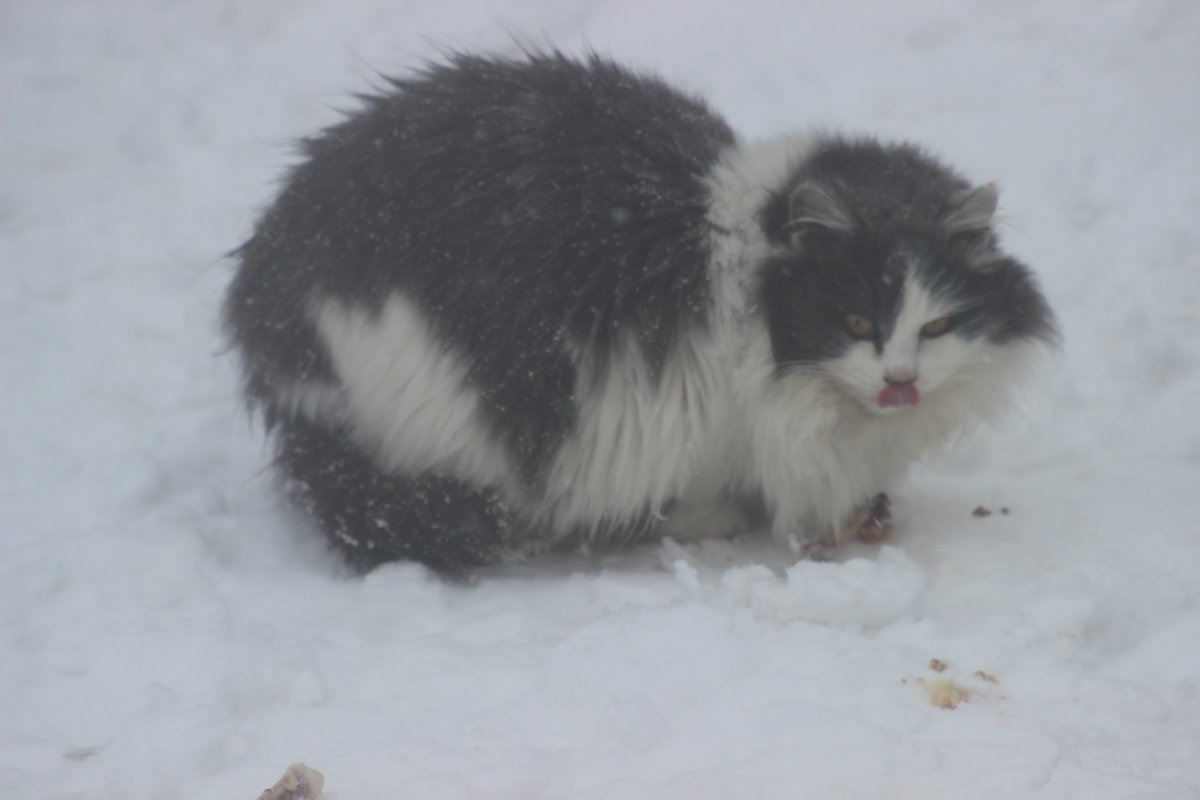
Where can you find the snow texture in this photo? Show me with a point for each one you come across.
(169, 631)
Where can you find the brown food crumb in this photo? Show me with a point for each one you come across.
(980, 511)
(986, 677)
(944, 694)
(937, 665)
(300, 782)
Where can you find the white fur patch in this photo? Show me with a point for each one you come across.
(640, 442)
(405, 393)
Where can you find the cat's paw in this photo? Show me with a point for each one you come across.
(872, 522)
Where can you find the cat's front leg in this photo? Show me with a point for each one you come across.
(871, 522)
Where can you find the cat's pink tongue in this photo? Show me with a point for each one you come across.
(894, 396)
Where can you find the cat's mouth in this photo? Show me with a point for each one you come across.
(899, 396)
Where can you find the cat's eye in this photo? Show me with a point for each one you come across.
(859, 327)
(935, 327)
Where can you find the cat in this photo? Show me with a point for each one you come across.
(516, 303)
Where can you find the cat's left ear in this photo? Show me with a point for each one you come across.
(973, 211)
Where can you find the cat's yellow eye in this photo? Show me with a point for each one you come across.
(935, 327)
(859, 327)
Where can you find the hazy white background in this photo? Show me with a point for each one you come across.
(169, 632)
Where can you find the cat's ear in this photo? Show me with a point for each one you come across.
(810, 207)
(973, 211)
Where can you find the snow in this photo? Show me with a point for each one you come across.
(170, 631)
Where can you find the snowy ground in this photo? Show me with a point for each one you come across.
(169, 632)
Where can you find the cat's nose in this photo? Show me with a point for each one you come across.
(899, 377)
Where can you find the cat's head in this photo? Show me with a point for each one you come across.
(887, 278)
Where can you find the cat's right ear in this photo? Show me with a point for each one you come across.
(969, 222)
(812, 207)
(808, 208)
(974, 210)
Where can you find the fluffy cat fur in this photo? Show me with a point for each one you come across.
(511, 304)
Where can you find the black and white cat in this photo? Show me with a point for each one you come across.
(517, 303)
